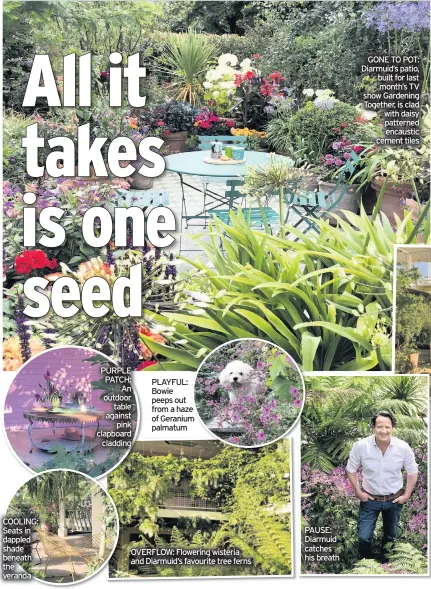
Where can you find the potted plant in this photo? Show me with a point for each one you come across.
(413, 355)
(331, 164)
(209, 123)
(50, 397)
(400, 177)
(137, 132)
(174, 120)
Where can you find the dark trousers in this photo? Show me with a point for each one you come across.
(368, 513)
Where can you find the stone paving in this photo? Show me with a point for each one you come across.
(169, 182)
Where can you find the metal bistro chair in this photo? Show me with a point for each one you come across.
(312, 206)
(205, 145)
(144, 198)
(253, 215)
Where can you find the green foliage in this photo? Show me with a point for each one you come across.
(72, 459)
(311, 128)
(218, 18)
(315, 44)
(413, 311)
(403, 559)
(14, 156)
(251, 488)
(187, 59)
(367, 567)
(138, 486)
(321, 298)
(338, 410)
(406, 559)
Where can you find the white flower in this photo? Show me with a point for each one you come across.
(245, 65)
(228, 58)
(227, 85)
(325, 102)
(207, 85)
(216, 93)
(224, 70)
(325, 92)
(211, 75)
(308, 92)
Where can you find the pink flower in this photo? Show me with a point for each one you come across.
(347, 156)
(338, 162)
(261, 436)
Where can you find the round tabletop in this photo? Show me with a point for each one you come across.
(192, 163)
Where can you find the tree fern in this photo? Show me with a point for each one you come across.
(404, 558)
(367, 567)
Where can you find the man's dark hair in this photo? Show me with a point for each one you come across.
(383, 414)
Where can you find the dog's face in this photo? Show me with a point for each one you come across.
(236, 373)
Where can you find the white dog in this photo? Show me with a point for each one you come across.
(240, 376)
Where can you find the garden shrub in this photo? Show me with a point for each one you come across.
(14, 156)
(251, 488)
(312, 128)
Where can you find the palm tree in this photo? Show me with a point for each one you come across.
(188, 58)
(59, 487)
(338, 411)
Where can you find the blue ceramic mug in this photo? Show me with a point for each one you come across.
(238, 152)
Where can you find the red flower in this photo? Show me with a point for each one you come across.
(33, 260)
(256, 56)
(238, 80)
(230, 123)
(249, 75)
(266, 89)
(145, 364)
(343, 125)
(160, 123)
(276, 77)
(166, 132)
(357, 148)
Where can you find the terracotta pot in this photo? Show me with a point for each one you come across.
(140, 182)
(393, 199)
(349, 201)
(175, 142)
(414, 360)
(311, 181)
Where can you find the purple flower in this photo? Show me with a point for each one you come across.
(261, 436)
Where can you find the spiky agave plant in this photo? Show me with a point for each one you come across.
(187, 59)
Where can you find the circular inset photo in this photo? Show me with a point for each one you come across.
(71, 407)
(65, 524)
(249, 392)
